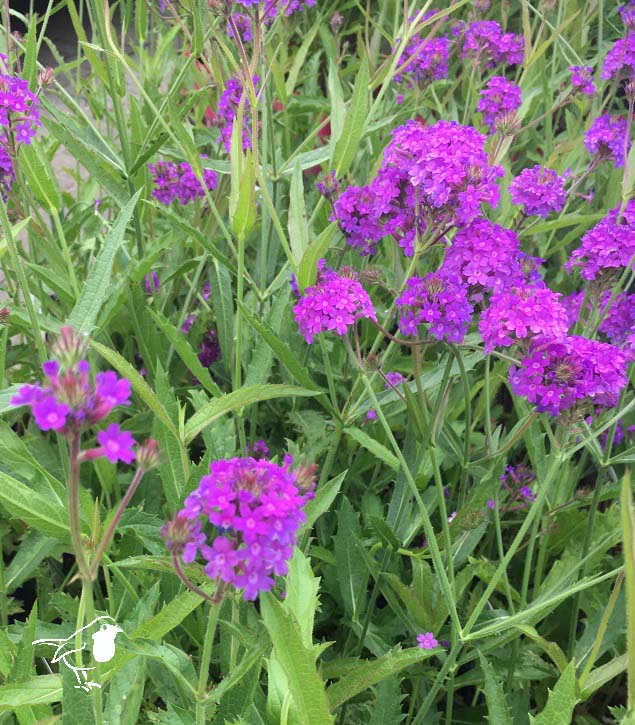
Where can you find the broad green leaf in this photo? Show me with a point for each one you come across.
(302, 595)
(352, 573)
(356, 117)
(39, 512)
(386, 710)
(338, 108)
(551, 649)
(308, 266)
(185, 352)
(125, 694)
(497, 707)
(562, 699)
(261, 363)
(222, 301)
(298, 663)
(321, 502)
(23, 664)
(298, 224)
(37, 690)
(237, 400)
(369, 672)
(375, 447)
(38, 176)
(33, 549)
(84, 315)
(299, 59)
(602, 675)
(77, 705)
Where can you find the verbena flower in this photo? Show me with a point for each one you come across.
(608, 246)
(69, 402)
(619, 322)
(209, 349)
(539, 190)
(334, 304)
(488, 45)
(19, 106)
(606, 139)
(116, 444)
(485, 256)
(438, 301)
(447, 165)
(177, 181)
(426, 60)
(627, 13)
(256, 508)
(498, 98)
(582, 79)
(555, 375)
(620, 60)
(7, 173)
(393, 379)
(227, 109)
(427, 641)
(522, 313)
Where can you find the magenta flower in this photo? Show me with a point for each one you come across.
(522, 313)
(19, 107)
(393, 379)
(427, 641)
(620, 60)
(499, 98)
(256, 509)
(606, 139)
(227, 109)
(582, 79)
(116, 444)
(486, 42)
(177, 181)
(539, 190)
(49, 414)
(334, 304)
(426, 59)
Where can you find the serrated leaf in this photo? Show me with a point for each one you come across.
(297, 662)
(237, 400)
(375, 447)
(562, 699)
(34, 548)
(40, 513)
(497, 707)
(84, 315)
(352, 574)
(369, 672)
(37, 690)
(302, 595)
(386, 710)
(38, 176)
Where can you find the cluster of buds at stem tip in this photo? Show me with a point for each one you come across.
(46, 78)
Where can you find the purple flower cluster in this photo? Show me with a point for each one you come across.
(582, 79)
(609, 245)
(516, 484)
(447, 165)
(7, 173)
(335, 303)
(485, 256)
(209, 349)
(619, 322)
(556, 374)
(438, 301)
(499, 98)
(522, 313)
(19, 107)
(425, 59)
(539, 190)
(627, 13)
(607, 138)
(393, 379)
(255, 506)
(620, 60)
(178, 181)
(227, 109)
(488, 45)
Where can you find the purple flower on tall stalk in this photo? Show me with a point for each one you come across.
(68, 402)
(334, 304)
(227, 109)
(436, 300)
(582, 79)
(522, 313)
(619, 323)
(620, 60)
(539, 190)
(500, 97)
(393, 379)
(178, 181)
(19, 107)
(606, 139)
(426, 60)
(555, 375)
(488, 45)
(608, 246)
(256, 507)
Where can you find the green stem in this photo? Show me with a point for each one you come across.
(206, 658)
(73, 509)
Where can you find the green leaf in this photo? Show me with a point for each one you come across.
(298, 223)
(23, 664)
(386, 710)
(497, 707)
(302, 595)
(356, 117)
(321, 502)
(185, 352)
(297, 662)
(376, 448)
(33, 549)
(39, 512)
(37, 690)
(84, 315)
(352, 574)
(139, 385)
(222, 301)
(261, 363)
(600, 676)
(39, 177)
(308, 266)
(562, 699)
(237, 400)
(338, 108)
(369, 672)
(242, 197)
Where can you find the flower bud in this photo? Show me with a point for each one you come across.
(148, 455)
(46, 77)
(69, 348)
(336, 22)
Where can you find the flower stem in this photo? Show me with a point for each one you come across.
(73, 509)
(206, 658)
(115, 520)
